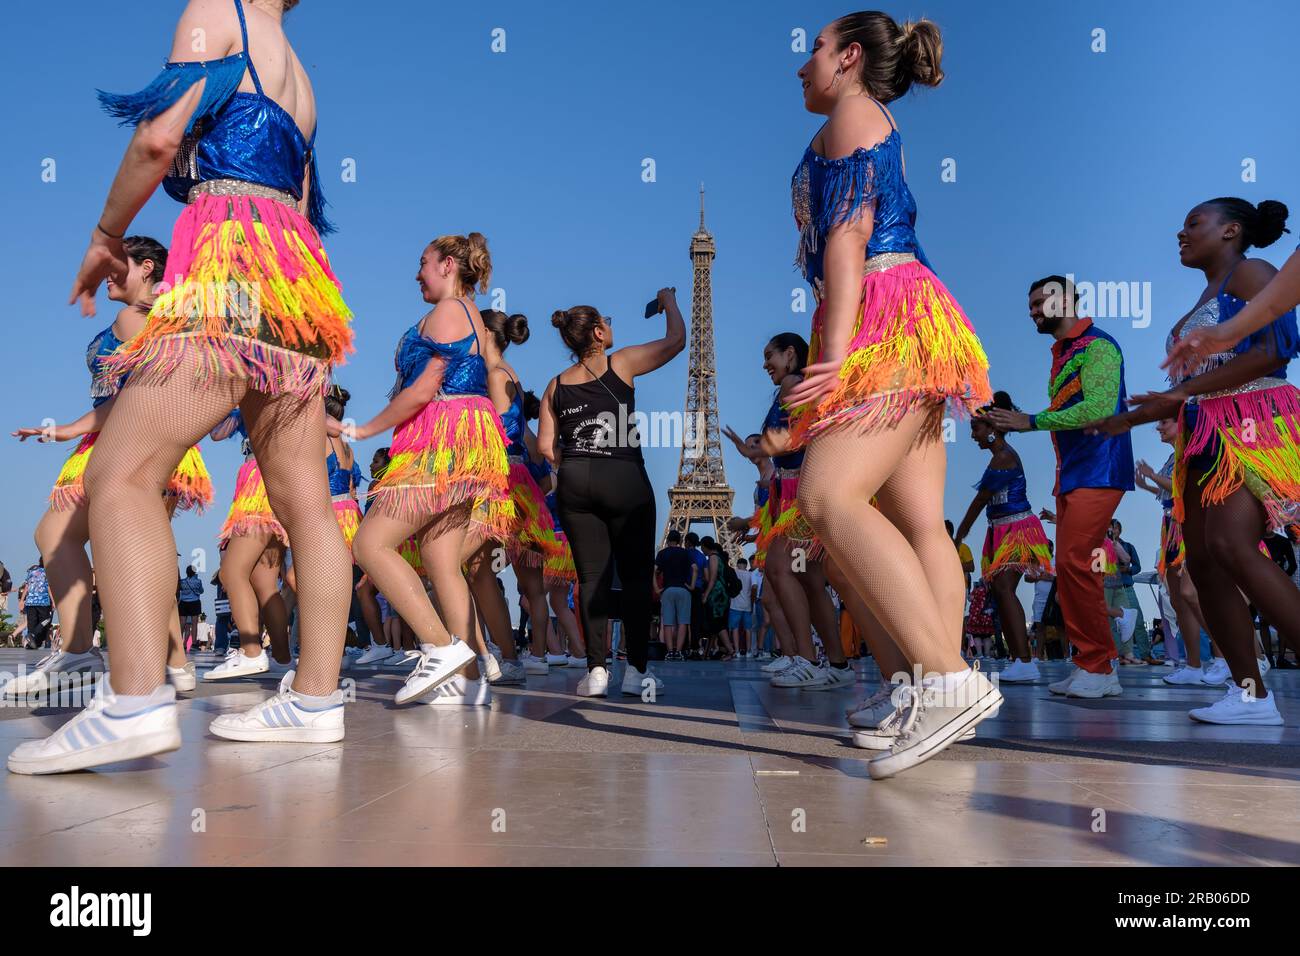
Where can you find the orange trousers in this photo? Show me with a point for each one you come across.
(1082, 517)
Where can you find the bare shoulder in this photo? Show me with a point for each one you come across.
(206, 30)
(857, 122)
(1250, 277)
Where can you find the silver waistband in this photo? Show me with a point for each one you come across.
(237, 187)
(343, 497)
(787, 473)
(886, 260)
(1010, 519)
(1258, 385)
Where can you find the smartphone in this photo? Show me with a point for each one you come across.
(653, 307)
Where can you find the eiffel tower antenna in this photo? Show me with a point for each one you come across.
(701, 494)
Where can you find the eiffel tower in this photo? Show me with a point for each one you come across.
(702, 494)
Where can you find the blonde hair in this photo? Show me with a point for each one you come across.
(472, 258)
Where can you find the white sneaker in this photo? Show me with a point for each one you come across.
(183, 678)
(571, 661)
(237, 664)
(95, 737)
(762, 656)
(595, 683)
(801, 674)
(510, 672)
(375, 654)
(836, 677)
(490, 667)
(1217, 674)
(460, 691)
(634, 681)
(1186, 675)
(437, 665)
(283, 718)
(1019, 672)
(777, 665)
(886, 734)
(277, 670)
(536, 665)
(1170, 662)
(559, 660)
(402, 661)
(37, 680)
(494, 650)
(1237, 706)
(931, 719)
(1093, 686)
(870, 711)
(1062, 687)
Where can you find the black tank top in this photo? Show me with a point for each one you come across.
(598, 419)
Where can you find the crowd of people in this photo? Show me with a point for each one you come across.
(850, 459)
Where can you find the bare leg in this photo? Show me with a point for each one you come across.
(905, 465)
(813, 581)
(238, 561)
(265, 581)
(370, 611)
(558, 596)
(888, 657)
(794, 601)
(490, 601)
(1012, 613)
(61, 538)
(376, 551)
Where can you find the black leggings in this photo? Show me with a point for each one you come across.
(607, 509)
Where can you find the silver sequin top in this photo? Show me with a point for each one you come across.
(1206, 316)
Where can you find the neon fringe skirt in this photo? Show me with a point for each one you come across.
(250, 512)
(253, 295)
(912, 346)
(559, 570)
(451, 452)
(787, 521)
(1250, 438)
(190, 483)
(534, 539)
(761, 522)
(1015, 543)
(1173, 552)
(348, 514)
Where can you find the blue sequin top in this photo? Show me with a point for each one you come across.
(232, 135)
(1010, 495)
(778, 419)
(828, 192)
(512, 419)
(341, 482)
(466, 372)
(102, 386)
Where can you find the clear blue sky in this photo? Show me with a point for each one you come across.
(1066, 160)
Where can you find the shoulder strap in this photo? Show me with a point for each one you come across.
(883, 111)
(1228, 278)
(478, 349)
(243, 32)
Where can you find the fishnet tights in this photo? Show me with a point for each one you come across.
(135, 553)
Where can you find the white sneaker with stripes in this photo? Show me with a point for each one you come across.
(283, 718)
(239, 664)
(37, 680)
(460, 691)
(95, 737)
(436, 665)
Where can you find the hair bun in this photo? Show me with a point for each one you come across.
(922, 49)
(517, 329)
(559, 317)
(1271, 223)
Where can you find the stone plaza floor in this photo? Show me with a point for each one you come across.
(722, 769)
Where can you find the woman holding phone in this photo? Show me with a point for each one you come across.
(606, 503)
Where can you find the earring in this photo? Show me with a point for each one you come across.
(839, 71)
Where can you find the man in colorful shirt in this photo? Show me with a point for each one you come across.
(1092, 473)
(39, 607)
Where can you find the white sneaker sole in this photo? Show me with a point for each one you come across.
(888, 765)
(504, 681)
(830, 684)
(288, 735)
(184, 683)
(1019, 680)
(232, 674)
(869, 741)
(42, 683)
(1272, 720)
(637, 690)
(1108, 692)
(130, 748)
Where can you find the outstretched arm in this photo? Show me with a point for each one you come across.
(405, 404)
(639, 359)
(92, 421)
